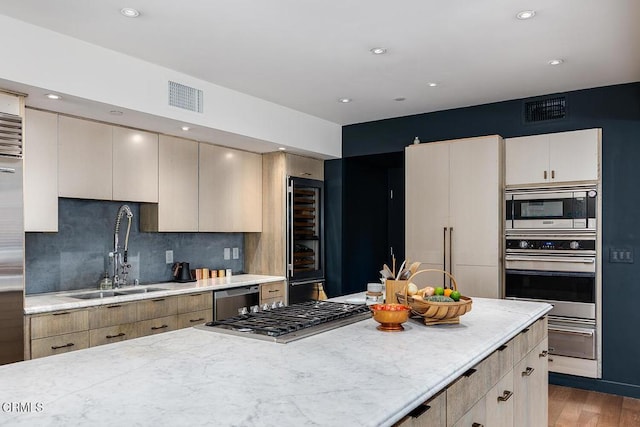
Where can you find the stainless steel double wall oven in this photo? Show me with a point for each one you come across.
(552, 254)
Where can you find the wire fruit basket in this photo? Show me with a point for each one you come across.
(435, 312)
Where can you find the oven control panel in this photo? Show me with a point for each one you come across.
(551, 244)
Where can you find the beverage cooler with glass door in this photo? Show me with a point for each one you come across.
(305, 239)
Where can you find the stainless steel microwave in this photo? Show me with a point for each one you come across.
(563, 209)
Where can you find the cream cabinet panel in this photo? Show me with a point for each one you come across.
(10, 104)
(177, 207)
(85, 159)
(230, 193)
(135, 165)
(499, 403)
(573, 156)
(40, 171)
(526, 160)
(432, 413)
(477, 280)
(304, 167)
(531, 376)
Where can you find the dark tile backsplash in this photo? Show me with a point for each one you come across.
(77, 255)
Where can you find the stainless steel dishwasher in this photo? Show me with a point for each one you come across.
(226, 303)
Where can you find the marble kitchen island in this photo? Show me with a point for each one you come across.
(351, 376)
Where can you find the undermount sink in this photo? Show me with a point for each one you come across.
(115, 293)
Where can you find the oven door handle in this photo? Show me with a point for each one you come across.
(551, 259)
(585, 333)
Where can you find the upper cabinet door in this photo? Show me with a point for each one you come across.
(135, 165)
(527, 160)
(304, 167)
(40, 171)
(85, 159)
(574, 156)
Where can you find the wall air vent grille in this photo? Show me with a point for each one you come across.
(10, 135)
(545, 109)
(185, 97)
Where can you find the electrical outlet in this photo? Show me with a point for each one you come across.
(227, 253)
(624, 255)
(168, 257)
(236, 253)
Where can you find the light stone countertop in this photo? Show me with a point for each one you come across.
(54, 301)
(351, 376)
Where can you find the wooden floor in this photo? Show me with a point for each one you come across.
(569, 407)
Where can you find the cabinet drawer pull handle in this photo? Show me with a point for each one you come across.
(55, 347)
(114, 306)
(502, 348)
(528, 372)
(477, 425)
(545, 174)
(543, 354)
(196, 320)
(153, 328)
(121, 334)
(470, 372)
(553, 174)
(551, 359)
(416, 413)
(195, 295)
(524, 331)
(506, 395)
(273, 290)
(158, 300)
(61, 314)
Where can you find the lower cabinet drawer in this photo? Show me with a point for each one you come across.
(187, 320)
(463, 394)
(111, 334)
(195, 302)
(157, 326)
(476, 416)
(154, 308)
(59, 344)
(112, 314)
(529, 338)
(64, 322)
(432, 413)
(271, 292)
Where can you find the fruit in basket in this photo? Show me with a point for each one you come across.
(412, 289)
(428, 291)
(455, 295)
(417, 297)
(439, 291)
(447, 292)
(439, 298)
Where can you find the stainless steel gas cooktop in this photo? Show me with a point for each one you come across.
(293, 322)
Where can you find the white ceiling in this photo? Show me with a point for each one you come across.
(307, 54)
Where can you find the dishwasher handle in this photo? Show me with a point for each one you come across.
(244, 290)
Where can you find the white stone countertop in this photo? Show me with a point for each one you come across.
(47, 302)
(351, 376)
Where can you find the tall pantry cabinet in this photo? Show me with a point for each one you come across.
(453, 212)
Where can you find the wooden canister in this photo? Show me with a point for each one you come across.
(394, 286)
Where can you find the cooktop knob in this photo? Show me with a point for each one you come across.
(574, 245)
(524, 244)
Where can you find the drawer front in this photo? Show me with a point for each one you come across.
(113, 314)
(463, 394)
(157, 326)
(63, 322)
(272, 292)
(187, 320)
(529, 338)
(432, 413)
(500, 402)
(475, 416)
(504, 360)
(59, 344)
(111, 334)
(157, 307)
(195, 302)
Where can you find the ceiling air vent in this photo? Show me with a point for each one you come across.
(185, 97)
(545, 109)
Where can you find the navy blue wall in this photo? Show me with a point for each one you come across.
(615, 109)
(76, 256)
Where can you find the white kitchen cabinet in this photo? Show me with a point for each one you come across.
(553, 158)
(230, 191)
(40, 171)
(453, 211)
(177, 207)
(135, 165)
(304, 167)
(85, 158)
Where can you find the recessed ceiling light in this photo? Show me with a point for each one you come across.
(53, 96)
(556, 61)
(129, 12)
(526, 14)
(345, 100)
(378, 50)
(115, 112)
(281, 148)
(432, 84)
(185, 128)
(400, 98)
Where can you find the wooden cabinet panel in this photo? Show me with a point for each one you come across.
(526, 160)
(40, 171)
(195, 302)
(272, 292)
(157, 325)
(474, 417)
(59, 344)
(157, 307)
(135, 165)
(304, 167)
(187, 320)
(85, 159)
(526, 340)
(112, 314)
(465, 392)
(110, 334)
(230, 193)
(432, 413)
(59, 323)
(500, 403)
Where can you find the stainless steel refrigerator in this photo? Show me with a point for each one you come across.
(11, 240)
(305, 239)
